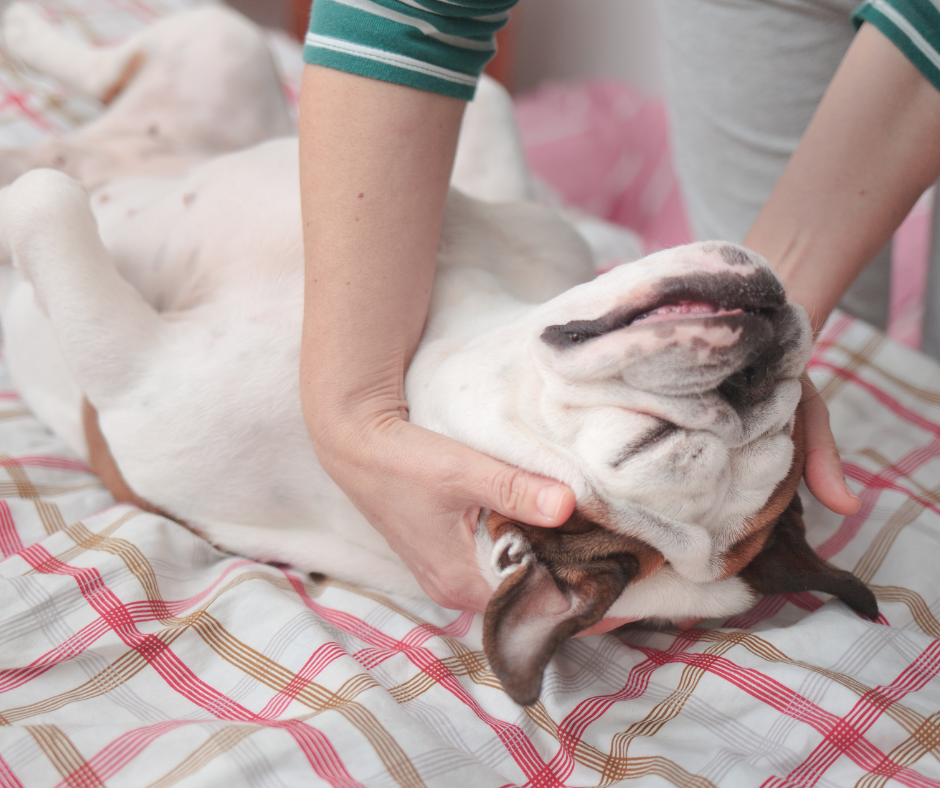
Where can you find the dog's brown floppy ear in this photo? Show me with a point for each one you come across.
(787, 564)
(532, 613)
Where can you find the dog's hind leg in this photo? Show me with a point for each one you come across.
(100, 72)
(104, 327)
(490, 164)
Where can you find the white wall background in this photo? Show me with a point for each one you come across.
(569, 39)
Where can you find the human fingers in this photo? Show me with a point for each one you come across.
(823, 474)
(455, 482)
(424, 491)
(461, 589)
(473, 481)
(523, 496)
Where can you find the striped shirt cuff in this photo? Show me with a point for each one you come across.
(435, 45)
(913, 26)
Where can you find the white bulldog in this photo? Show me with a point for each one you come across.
(662, 392)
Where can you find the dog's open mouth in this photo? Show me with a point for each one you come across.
(683, 311)
(695, 297)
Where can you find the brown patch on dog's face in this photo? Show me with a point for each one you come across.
(588, 535)
(567, 578)
(775, 558)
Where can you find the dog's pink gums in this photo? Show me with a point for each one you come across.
(682, 311)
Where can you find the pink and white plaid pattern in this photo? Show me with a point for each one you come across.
(135, 654)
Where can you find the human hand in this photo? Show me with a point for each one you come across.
(823, 473)
(423, 492)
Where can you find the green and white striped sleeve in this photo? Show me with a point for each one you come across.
(436, 45)
(913, 26)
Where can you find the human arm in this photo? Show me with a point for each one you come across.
(375, 166)
(870, 151)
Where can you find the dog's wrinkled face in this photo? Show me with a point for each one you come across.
(682, 389)
(664, 393)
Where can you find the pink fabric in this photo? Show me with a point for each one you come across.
(604, 147)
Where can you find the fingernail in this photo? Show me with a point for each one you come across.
(549, 500)
(850, 491)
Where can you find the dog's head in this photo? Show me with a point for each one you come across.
(673, 382)
(557, 582)
(664, 393)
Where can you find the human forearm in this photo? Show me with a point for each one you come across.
(870, 151)
(375, 164)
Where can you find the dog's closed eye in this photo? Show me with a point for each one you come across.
(656, 435)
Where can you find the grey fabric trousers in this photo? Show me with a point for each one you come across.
(743, 78)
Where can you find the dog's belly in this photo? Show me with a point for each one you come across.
(224, 446)
(232, 226)
(213, 432)
(215, 436)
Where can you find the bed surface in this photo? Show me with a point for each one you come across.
(135, 654)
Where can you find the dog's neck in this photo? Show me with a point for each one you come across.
(453, 388)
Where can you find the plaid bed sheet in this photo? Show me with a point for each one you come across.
(132, 653)
(135, 654)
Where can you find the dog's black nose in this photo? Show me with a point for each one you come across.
(756, 378)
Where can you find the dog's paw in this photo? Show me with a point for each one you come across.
(39, 205)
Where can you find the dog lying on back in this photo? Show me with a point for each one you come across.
(170, 298)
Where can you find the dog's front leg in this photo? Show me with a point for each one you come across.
(105, 328)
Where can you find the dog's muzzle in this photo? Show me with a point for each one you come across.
(725, 332)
